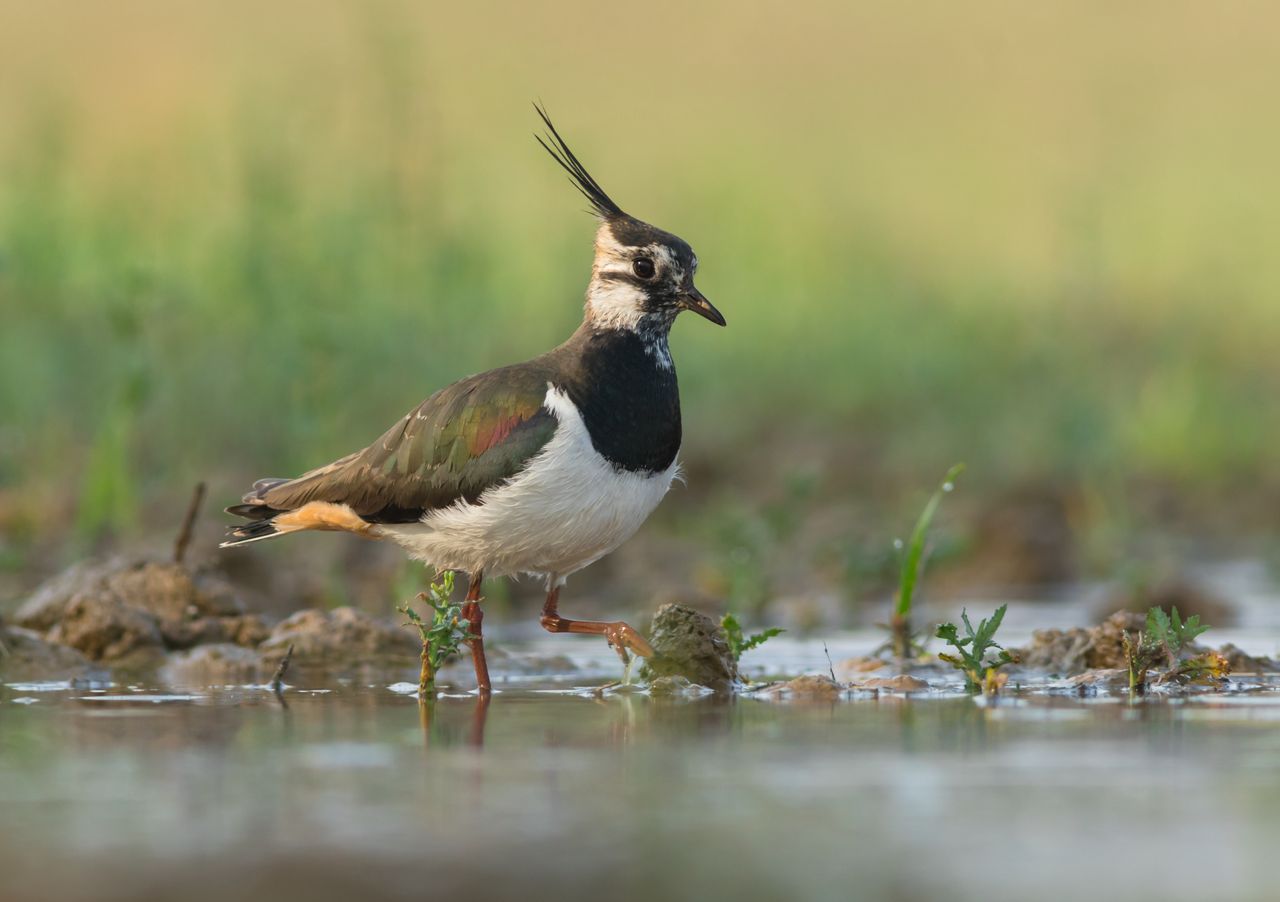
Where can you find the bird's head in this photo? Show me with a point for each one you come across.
(642, 277)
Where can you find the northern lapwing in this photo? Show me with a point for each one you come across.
(542, 467)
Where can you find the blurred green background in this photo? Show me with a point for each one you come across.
(239, 239)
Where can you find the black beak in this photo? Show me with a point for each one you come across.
(693, 300)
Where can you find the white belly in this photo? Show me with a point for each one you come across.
(567, 509)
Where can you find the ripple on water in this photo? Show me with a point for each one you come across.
(45, 686)
(152, 698)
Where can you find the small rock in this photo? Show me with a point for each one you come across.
(27, 657)
(690, 644)
(215, 665)
(810, 686)
(104, 628)
(342, 637)
(901, 683)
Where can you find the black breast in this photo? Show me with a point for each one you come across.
(629, 401)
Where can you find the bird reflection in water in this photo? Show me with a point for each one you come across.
(443, 731)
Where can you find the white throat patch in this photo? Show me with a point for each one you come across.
(615, 305)
(618, 303)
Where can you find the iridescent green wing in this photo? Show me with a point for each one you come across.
(464, 439)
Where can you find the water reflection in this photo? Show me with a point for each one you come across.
(441, 728)
(680, 798)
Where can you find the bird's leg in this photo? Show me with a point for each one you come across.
(474, 616)
(619, 635)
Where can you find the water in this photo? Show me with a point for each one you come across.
(352, 790)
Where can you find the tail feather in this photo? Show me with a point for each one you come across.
(253, 511)
(266, 522)
(258, 514)
(254, 531)
(261, 487)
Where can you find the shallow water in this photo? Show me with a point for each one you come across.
(146, 792)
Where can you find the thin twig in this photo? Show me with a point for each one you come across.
(830, 666)
(277, 681)
(188, 524)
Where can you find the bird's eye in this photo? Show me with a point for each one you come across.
(643, 267)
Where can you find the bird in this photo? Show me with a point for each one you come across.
(539, 468)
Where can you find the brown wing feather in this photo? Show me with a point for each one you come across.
(464, 439)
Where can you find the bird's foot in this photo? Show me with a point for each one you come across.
(621, 637)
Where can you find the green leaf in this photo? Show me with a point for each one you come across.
(987, 629)
(761, 638)
(738, 642)
(913, 560)
(974, 660)
(1158, 627)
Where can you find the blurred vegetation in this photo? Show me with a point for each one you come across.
(237, 241)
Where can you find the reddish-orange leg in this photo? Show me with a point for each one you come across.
(475, 617)
(619, 635)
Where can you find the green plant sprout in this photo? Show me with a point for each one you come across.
(443, 636)
(739, 642)
(903, 642)
(980, 671)
(1163, 640)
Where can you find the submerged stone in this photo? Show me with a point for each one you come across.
(689, 644)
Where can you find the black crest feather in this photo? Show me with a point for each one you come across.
(600, 202)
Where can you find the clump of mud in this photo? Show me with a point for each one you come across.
(689, 644)
(1076, 650)
(1079, 650)
(131, 615)
(130, 612)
